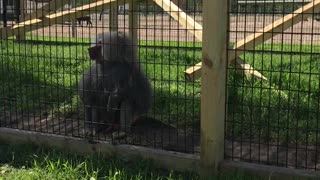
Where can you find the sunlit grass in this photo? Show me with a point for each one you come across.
(32, 162)
(42, 74)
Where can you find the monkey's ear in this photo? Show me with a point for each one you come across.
(95, 52)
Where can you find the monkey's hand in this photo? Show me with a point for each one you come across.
(121, 84)
(114, 101)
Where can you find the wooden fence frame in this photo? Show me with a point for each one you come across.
(255, 39)
(213, 94)
(165, 159)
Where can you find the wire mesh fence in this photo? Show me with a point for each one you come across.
(275, 121)
(41, 73)
(44, 55)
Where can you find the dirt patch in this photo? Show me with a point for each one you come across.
(163, 28)
(148, 132)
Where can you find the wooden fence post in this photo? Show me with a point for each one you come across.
(213, 85)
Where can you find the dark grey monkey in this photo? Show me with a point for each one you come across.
(115, 82)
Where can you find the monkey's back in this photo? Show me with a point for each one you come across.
(134, 84)
(141, 93)
(96, 86)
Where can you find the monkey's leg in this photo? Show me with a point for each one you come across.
(95, 120)
(126, 116)
(106, 120)
(126, 119)
(88, 120)
(109, 121)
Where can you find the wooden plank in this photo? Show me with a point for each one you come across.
(56, 18)
(263, 171)
(186, 22)
(166, 159)
(263, 35)
(179, 15)
(213, 85)
(275, 28)
(247, 69)
(195, 28)
(194, 72)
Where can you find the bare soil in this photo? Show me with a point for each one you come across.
(163, 28)
(152, 133)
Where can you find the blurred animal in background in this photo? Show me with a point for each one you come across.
(86, 19)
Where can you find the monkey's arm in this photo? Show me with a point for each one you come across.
(121, 78)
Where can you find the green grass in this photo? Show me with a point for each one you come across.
(42, 74)
(32, 162)
(285, 108)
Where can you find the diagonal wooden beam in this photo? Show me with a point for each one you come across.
(56, 18)
(39, 13)
(248, 69)
(195, 28)
(183, 19)
(262, 35)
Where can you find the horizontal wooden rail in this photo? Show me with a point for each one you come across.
(55, 18)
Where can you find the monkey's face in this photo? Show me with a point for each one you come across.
(110, 46)
(95, 52)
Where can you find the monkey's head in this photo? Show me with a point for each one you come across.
(112, 46)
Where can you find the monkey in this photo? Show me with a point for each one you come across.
(85, 18)
(114, 90)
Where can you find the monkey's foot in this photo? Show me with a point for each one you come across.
(90, 132)
(119, 135)
(111, 127)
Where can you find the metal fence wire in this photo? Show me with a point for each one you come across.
(44, 55)
(273, 107)
(275, 120)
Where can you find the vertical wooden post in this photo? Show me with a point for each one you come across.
(73, 22)
(113, 17)
(23, 11)
(133, 21)
(213, 85)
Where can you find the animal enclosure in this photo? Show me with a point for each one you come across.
(45, 68)
(272, 84)
(275, 120)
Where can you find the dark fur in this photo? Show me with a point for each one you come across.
(86, 19)
(114, 77)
